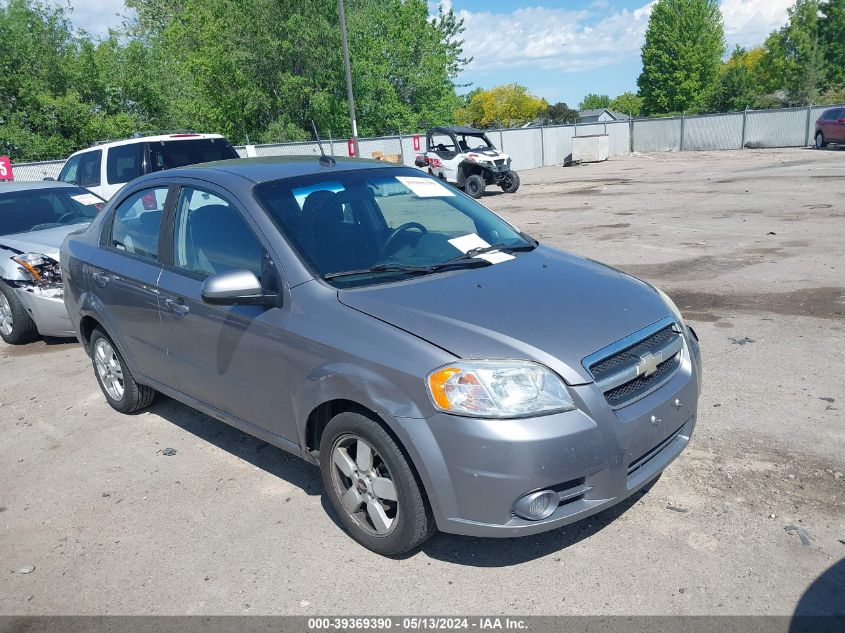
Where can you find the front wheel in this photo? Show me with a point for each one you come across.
(820, 142)
(510, 182)
(118, 385)
(372, 487)
(16, 326)
(474, 186)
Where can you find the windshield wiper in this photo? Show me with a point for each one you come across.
(380, 268)
(473, 253)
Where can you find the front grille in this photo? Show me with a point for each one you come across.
(621, 370)
(629, 357)
(642, 384)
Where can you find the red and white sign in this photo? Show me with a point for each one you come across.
(6, 168)
(416, 138)
(350, 144)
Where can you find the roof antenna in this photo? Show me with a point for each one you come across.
(325, 161)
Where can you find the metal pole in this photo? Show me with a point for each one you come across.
(345, 45)
(501, 140)
(631, 133)
(744, 121)
(683, 118)
(542, 149)
(401, 148)
(807, 126)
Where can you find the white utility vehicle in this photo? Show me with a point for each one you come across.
(465, 157)
(107, 166)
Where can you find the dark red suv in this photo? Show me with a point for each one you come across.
(830, 128)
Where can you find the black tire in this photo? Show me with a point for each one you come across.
(820, 142)
(134, 396)
(474, 186)
(23, 328)
(413, 522)
(510, 182)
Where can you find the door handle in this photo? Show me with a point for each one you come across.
(101, 278)
(176, 306)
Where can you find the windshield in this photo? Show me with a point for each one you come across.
(471, 142)
(47, 208)
(170, 154)
(399, 221)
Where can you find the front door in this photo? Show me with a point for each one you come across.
(124, 276)
(228, 357)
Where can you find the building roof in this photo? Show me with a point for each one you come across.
(589, 114)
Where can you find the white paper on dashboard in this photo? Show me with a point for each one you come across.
(86, 198)
(425, 187)
(466, 243)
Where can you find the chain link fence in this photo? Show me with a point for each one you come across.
(552, 145)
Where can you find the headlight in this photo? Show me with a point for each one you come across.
(498, 389)
(42, 270)
(671, 305)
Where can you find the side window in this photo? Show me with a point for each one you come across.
(123, 163)
(70, 171)
(211, 237)
(89, 169)
(137, 222)
(443, 144)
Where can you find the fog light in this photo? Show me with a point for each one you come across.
(537, 505)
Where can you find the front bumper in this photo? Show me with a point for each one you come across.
(475, 470)
(47, 309)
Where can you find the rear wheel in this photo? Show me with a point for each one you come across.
(820, 142)
(16, 326)
(474, 186)
(510, 182)
(118, 385)
(372, 487)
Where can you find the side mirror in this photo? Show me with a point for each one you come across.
(236, 287)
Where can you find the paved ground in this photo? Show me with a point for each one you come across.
(750, 244)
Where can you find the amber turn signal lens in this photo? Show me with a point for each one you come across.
(437, 385)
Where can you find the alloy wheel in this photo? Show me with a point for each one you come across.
(364, 485)
(7, 322)
(108, 369)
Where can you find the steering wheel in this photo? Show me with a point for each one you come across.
(395, 233)
(66, 216)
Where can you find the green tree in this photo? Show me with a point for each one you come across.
(559, 113)
(594, 102)
(832, 35)
(738, 87)
(799, 47)
(628, 103)
(681, 57)
(506, 106)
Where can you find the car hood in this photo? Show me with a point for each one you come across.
(544, 305)
(46, 242)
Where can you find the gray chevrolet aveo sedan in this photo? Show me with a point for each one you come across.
(445, 370)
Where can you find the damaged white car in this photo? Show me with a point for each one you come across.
(35, 218)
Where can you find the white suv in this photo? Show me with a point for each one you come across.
(106, 167)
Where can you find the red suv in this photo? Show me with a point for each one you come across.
(830, 128)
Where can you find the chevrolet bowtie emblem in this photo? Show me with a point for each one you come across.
(648, 364)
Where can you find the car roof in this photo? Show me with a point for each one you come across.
(153, 138)
(35, 185)
(458, 129)
(265, 168)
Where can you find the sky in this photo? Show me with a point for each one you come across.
(560, 49)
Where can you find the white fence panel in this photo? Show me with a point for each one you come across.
(524, 147)
(620, 137)
(776, 128)
(657, 135)
(28, 172)
(721, 131)
(557, 144)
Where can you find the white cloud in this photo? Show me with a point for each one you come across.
(748, 22)
(561, 39)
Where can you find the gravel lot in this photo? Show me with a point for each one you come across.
(751, 244)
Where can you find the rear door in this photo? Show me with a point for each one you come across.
(124, 275)
(837, 126)
(225, 356)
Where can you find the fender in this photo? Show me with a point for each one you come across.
(359, 384)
